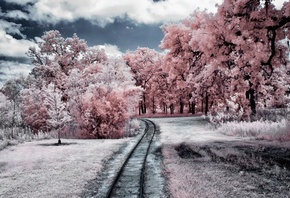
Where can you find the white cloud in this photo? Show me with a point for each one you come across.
(16, 14)
(11, 69)
(9, 46)
(111, 50)
(12, 47)
(21, 2)
(104, 11)
(11, 28)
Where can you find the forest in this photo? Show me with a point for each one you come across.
(233, 65)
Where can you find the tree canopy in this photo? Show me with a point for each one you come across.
(235, 60)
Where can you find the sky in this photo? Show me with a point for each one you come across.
(115, 25)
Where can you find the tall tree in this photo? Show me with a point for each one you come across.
(184, 60)
(145, 65)
(236, 51)
(12, 89)
(57, 112)
(97, 92)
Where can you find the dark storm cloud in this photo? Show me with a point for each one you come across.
(15, 59)
(125, 34)
(5, 6)
(125, 23)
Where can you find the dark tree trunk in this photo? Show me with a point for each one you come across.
(144, 104)
(14, 114)
(181, 106)
(250, 95)
(171, 109)
(206, 104)
(153, 106)
(142, 107)
(193, 107)
(202, 101)
(58, 135)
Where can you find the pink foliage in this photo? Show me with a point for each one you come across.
(80, 85)
(105, 115)
(218, 57)
(233, 61)
(34, 112)
(146, 68)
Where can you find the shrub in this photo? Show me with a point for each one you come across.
(131, 128)
(15, 135)
(272, 114)
(268, 130)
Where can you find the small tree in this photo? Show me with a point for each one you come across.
(58, 114)
(6, 113)
(109, 100)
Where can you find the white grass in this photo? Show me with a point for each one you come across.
(186, 129)
(183, 180)
(267, 130)
(15, 135)
(198, 178)
(35, 169)
(193, 179)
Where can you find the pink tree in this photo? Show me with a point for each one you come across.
(55, 57)
(184, 60)
(97, 92)
(219, 58)
(77, 84)
(104, 114)
(145, 66)
(238, 30)
(34, 113)
(109, 100)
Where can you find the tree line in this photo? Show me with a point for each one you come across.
(234, 61)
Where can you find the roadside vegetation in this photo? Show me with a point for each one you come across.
(266, 124)
(207, 67)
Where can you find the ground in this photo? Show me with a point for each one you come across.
(42, 169)
(198, 162)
